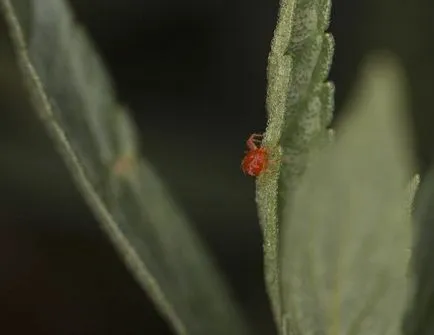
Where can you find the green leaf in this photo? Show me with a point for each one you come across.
(420, 315)
(299, 105)
(74, 98)
(346, 233)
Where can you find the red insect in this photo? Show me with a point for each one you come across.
(256, 159)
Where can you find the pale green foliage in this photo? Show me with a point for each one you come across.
(419, 320)
(299, 105)
(334, 211)
(73, 96)
(346, 232)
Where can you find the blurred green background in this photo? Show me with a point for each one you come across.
(193, 73)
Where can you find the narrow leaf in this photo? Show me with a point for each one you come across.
(346, 234)
(299, 105)
(74, 98)
(420, 316)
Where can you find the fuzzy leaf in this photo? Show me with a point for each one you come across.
(299, 105)
(73, 96)
(346, 233)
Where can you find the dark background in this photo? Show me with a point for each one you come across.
(193, 73)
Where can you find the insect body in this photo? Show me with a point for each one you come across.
(256, 159)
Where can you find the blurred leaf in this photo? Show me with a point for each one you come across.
(420, 315)
(346, 234)
(299, 105)
(73, 96)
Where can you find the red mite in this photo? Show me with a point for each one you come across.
(256, 159)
